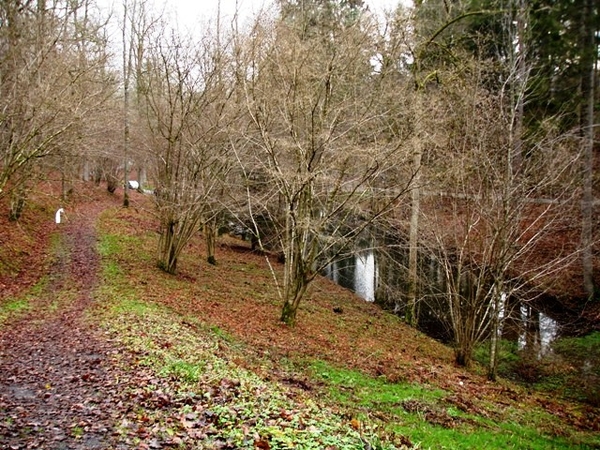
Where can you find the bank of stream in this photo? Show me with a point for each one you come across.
(533, 332)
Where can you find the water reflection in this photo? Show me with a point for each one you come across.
(381, 276)
(365, 276)
(538, 331)
(357, 273)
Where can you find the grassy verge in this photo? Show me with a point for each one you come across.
(225, 395)
(13, 308)
(437, 419)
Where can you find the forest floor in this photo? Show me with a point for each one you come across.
(99, 349)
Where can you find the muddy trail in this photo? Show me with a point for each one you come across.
(58, 387)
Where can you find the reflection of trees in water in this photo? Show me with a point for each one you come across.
(532, 329)
(537, 331)
(365, 275)
(378, 272)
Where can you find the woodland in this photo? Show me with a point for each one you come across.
(455, 137)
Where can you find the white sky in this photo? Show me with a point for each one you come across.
(192, 13)
(189, 11)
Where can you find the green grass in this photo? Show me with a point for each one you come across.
(109, 245)
(182, 370)
(222, 334)
(13, 308)
(132, 306)
(16, 307)
(369, 397)
(355, 388)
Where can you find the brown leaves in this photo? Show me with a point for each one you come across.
(466, 404)
(262, 444)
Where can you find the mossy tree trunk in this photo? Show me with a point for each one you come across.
(167, 259)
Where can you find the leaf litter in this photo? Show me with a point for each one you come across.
(67, 384)
(150, 379)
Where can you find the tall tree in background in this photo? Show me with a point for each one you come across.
(137, 26)
(128, 52)
(589, 61)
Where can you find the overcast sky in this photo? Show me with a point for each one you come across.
(191, 10)
(192, 13)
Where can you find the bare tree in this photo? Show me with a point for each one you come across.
(187, 97)
(315, 141)
(485, 225)
(52, 79)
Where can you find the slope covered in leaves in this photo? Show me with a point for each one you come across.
(200, 360)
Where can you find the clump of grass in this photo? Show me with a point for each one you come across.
(109, 245)
(183, 370)
(369, 391)
(13, 308)
(16, 307)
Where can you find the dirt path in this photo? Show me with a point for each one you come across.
(57, 386)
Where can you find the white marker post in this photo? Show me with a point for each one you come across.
(58, 213)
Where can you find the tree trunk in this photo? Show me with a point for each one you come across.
(532, 333)
(499, 302)
(413, 245)
(291, 304)
(142, 176)
(288, 313)
(111, 183)
(86, 171)
(587, 132)
(210, 234)
(295, 278)
(126, 78)
(168, 257)
(17, 203)
(411, 310)
(518, 87)
(463, 356)
(66, 186)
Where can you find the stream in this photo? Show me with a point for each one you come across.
(381, 278)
